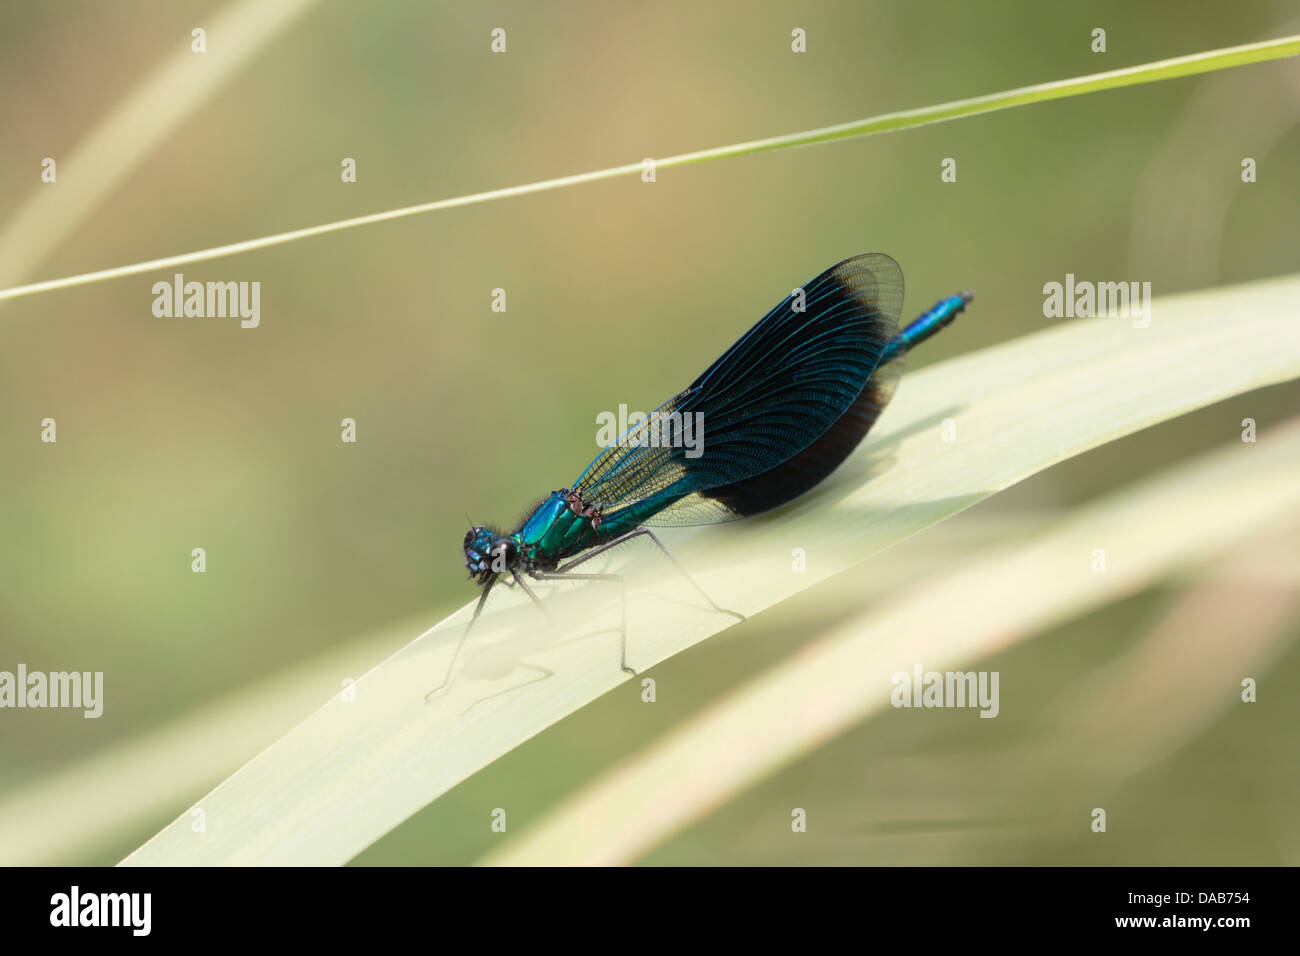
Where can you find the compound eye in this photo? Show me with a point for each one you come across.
(479, 539)
(505, 548)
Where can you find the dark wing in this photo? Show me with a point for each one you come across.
(788, 481)
(780, 409)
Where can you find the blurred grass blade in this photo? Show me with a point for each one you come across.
(171, 93)
(355, 769)
(1186, 515)
(1192, 64)
(79, 813)
(1155, 698)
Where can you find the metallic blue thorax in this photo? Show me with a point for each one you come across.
(553, 531)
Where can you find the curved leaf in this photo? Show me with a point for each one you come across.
(355, 769)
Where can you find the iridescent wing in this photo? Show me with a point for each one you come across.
(775, 414)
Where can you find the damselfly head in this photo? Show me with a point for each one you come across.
(488, 554)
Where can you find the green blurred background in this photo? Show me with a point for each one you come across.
(176, 434)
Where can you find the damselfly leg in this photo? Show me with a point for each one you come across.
(565, 571)
(478, 609)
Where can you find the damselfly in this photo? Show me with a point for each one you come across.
(780, 410)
